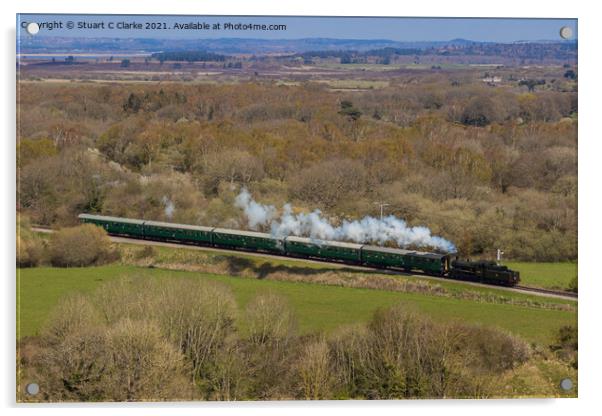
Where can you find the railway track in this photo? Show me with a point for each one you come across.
(520, 289)
(560, 293)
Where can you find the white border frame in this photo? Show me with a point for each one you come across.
(589, 195)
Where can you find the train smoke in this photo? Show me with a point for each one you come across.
(315, 226)
(170, 207)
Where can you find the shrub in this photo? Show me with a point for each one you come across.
(29, 252)
(270, 346)
(73, 314)
(146, 252)
(80, 246)
(574, 285)
(141, 365)
(28, 150)
(314, 371)
(173, 339)
(480, 111)
(127, 361)
(491, 350)
(30, 248)
(196, 317)
(405, 355)
(566, 344)
(72, 368)
(329, 182)
(269, 319)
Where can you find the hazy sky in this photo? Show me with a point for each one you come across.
(400, 29)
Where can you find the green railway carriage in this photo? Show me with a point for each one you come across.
(431, 263)
(178, 232)
(247, 239)
(329, 250)
(115, 225)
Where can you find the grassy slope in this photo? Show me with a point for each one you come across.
(545, 275)
(200, 256)
(318, 307)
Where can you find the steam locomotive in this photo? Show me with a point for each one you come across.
(358, 254)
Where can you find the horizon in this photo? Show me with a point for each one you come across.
(572, 40)
(393, 29)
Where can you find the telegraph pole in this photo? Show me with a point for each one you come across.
(382, 206)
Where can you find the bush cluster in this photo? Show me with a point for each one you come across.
(180, 339)
(80, 246)
(30, 248)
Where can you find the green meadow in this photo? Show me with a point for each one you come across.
(545, 275)
(317, 307)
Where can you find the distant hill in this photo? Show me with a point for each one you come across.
(251, 46)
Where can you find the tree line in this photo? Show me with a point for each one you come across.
(485, 168)
(185, 339)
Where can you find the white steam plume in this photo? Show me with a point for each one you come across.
(314, 226)
(170, 207)
(257, 214)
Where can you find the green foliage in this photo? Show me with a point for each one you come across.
(573, 285)
(188, 56)
(348, 110)
(566, 344)
(132, 104)
(570, 74)
(531, 83)
(29, 150)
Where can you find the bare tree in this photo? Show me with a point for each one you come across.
(314, 371)
(141, 365)
(328, 182)
(271, 345)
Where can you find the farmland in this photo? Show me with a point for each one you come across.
(319, 307)
(546, 275)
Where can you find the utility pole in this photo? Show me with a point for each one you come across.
(382, 206)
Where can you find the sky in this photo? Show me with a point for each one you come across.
(397, 29)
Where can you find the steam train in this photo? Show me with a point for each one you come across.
(358, 254)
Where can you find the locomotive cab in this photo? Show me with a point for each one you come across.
(485, 272)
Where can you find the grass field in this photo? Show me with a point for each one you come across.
(354, 83)
(318, 307)
(358, 67)
(257, 266)
(545, 275)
